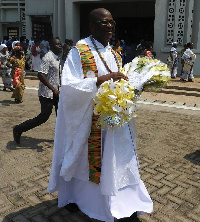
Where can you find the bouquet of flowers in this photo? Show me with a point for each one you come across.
(115, 102)
(147, 74)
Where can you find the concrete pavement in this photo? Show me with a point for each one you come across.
(168, 151)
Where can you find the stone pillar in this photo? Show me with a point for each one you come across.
(61, 20)
(160, 29)
(28, 27)
(196, 26)
(72, 20)
(189, 21)
(55, 19)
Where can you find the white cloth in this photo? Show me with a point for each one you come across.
(172, 63)
(2, 46)
(14, 43)
(174, 54)
(189, 58)
(189, 55)
(70, 162)
(36, 60)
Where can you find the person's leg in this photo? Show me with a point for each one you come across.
(191, 76)
(46, 110)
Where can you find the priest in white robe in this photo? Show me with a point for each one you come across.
(120, 192)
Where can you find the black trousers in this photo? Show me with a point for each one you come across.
(46, 110)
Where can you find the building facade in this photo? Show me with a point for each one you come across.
(12, 18)
(160, 21)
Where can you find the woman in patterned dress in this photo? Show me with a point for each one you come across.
(4, 69)
(17, 62)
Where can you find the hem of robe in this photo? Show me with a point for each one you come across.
(88, 197)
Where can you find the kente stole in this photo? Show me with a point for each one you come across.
(94, 140)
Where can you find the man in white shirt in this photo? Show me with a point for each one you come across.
(113, 191)
(48, 92)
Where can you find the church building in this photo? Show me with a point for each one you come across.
(159, 21)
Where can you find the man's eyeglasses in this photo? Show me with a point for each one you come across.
(106, 22)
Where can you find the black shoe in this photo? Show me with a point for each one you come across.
(16, 135)
(72, 208)
(4, 89)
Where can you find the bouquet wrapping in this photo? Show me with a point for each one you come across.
(147, 74)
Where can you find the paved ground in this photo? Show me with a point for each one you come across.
(168, 149)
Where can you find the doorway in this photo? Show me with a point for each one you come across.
(135, 20)
(41, 27)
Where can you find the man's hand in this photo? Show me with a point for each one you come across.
(56, 92)
(113, 75)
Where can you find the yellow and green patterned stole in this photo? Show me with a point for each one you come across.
(87, 61)
(94, 140)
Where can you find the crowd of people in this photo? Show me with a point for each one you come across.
(19, 56)
(145, 48)
(129, 51)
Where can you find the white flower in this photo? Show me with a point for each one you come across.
(129, 102)
(117, 108)
(112, 97)
(112, 86)
(125, 90)
(129, 110)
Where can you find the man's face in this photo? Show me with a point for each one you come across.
(56, 47)
(103, 27)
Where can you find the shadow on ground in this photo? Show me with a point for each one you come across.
(46, 212)
(30, 143)
(183, 88)
(7, 102)
(193, 157)
(183, 91)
